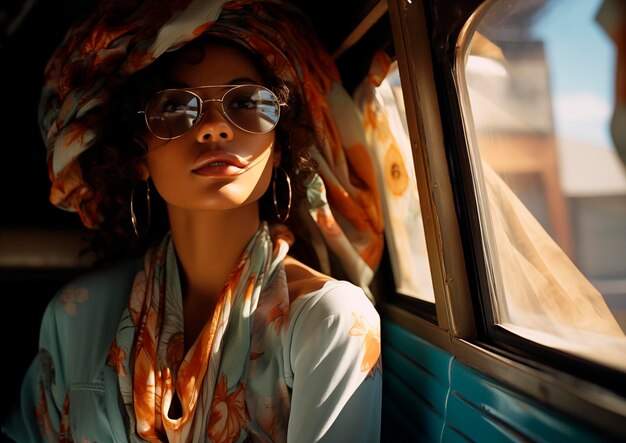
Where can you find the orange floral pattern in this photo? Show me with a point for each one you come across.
(396, 175)
(228, 413)
(46, 427)
(71, 297)
(371, 342)
(196, 377)
(278, 317)
(116, 357)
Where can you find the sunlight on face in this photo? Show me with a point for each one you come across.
(214, 165)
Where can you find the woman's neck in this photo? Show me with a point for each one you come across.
(208, 245)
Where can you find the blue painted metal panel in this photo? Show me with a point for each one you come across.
(399, 426)
(430, 390)
(452, 436)
(429, 396)
(431, 359)
(413, 409)
(475, 425)
(483, 409)
(415, 386)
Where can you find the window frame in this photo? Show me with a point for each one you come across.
(425, 34)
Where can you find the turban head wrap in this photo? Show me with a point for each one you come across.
(121, 38)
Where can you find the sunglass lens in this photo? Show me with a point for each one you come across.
(172, 112)
(252, 108)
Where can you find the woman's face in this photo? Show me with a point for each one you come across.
(214, 165)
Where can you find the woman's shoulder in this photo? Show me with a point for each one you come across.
(336, 297)
(313, 294)
(100, 292)
(82, 318)
(302, 279)
(335, 325)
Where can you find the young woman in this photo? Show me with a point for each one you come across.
(214, 114)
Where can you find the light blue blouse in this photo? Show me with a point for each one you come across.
(319, 357)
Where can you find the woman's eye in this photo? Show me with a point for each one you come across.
(243, 102)
(174, 107)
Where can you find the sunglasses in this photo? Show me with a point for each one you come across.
(173, 112)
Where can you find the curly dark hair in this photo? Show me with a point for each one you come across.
(111, 165)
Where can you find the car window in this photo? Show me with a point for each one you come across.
(537, 81)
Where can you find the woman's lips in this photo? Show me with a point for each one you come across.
(218, 164)
(217, 169)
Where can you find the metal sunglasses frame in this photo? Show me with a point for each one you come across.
(221, 108)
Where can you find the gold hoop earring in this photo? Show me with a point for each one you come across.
(281, 218)
(133, 215)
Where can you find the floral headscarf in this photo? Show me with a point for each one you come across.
(121, 38)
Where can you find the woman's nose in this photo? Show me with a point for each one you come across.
(214, 126)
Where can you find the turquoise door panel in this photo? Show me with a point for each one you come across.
(398, 426)
(426, 422)
(509, 414)
(415, 386)
(474, 424)
(422, 384)
(430, 359)
(428, 395)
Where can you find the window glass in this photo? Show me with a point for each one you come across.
(382, 106)
(538, 85)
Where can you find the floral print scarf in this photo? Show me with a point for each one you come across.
(209, 382)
